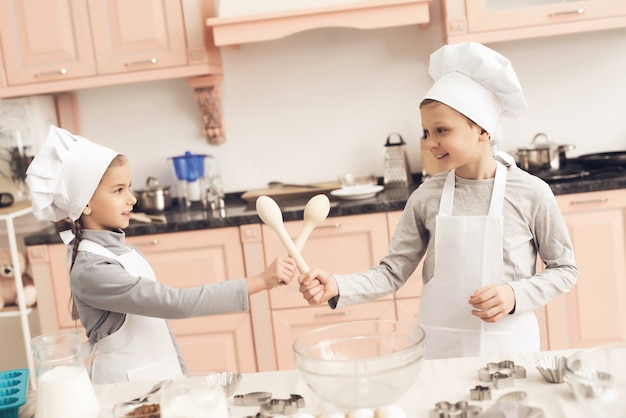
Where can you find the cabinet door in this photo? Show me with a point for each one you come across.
(44, 41)
(186, 259)
(592, 312)
(496, 20)
(344, 244)
(289, 324)
(137, 35)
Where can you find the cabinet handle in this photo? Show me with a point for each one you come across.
(141, 244)
(324, 315)
(586, 202)
(144, 62)
(568, 12)
(332, 226)
(62, 71)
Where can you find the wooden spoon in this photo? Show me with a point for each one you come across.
(270, 214)
(315, 212)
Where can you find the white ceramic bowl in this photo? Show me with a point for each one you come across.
(598, 378)
(361, 364)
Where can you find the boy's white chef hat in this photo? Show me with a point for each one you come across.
(477, 82)
(65, 174)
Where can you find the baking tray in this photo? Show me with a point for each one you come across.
(13, 392)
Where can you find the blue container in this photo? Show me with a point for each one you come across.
(13, 392)
(189, 167)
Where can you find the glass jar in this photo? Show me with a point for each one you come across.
(63, 385)
(195, 395)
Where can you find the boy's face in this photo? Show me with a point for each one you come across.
(454, 140)
(112, 202)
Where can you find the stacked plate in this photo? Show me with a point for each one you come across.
(357, 187)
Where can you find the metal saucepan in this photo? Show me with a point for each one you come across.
(544, 156)
(154, 198)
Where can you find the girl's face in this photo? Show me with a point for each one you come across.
(456, 142)
(112, 203)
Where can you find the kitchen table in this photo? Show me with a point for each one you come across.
(440, 380)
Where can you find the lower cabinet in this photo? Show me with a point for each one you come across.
(593, 312)
(182, 259)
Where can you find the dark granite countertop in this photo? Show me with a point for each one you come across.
(239, 212)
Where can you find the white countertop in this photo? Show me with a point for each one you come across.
(440, 380)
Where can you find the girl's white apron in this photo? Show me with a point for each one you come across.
(468, 256)
(142, 349)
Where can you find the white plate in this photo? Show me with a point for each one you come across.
(356, 193)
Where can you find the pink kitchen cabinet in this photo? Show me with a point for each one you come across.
(64, 45)
(496, 20)
(181, 259)
(593, 312)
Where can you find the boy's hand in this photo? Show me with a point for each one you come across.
(318, 287)
(492, 303)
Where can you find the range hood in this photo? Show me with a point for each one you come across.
(363, 14)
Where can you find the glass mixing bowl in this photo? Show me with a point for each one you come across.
(598, 378)
(361, 364)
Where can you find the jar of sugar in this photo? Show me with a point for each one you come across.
(63, 385)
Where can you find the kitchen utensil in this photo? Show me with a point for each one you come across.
(603, 159)
(397, 169)
(13, 391)
(155, 198)
(361, 364)
(281, 194)
(229, 382)
(269, 212)
(278, 184)
(315, 212)
(198, 179)
(542, 156)
(63, 385)
(194, 395)
(146, 396)
(552, 368)
(598, 378)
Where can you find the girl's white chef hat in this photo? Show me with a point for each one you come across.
(65, 174)
(477, 82)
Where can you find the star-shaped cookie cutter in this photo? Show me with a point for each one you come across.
(460, 409)
(501, 373)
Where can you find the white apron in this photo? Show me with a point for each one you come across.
(468, 256)
(142, 349)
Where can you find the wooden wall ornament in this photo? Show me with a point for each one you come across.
(207, 95)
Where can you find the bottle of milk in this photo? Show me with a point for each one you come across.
(63, 385)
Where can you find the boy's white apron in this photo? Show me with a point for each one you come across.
(142, 349)
(468, 256)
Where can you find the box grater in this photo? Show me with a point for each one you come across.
(397, 170)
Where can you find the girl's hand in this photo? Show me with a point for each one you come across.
(318, 287)
(492, 303)
(280, 272)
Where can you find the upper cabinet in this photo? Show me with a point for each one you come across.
(61, 45)
(496, 20)
(271, 20)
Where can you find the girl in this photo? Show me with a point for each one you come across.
(115, 294)
(480, 223)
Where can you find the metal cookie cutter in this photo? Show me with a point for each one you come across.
(252, 399)
(283, 406)
(460, 409)
(480, 393)
(501, 374)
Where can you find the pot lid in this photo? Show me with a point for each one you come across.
(152, 185)
(547, 144)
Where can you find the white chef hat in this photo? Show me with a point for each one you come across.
(477, 82)
(65, 174)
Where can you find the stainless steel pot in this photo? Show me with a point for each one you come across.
(542, 156)
(154, 198)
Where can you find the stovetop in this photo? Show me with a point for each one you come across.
(574, 170)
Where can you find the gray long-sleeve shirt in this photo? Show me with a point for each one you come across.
(104, 291)
(533, 224)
